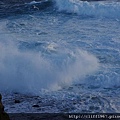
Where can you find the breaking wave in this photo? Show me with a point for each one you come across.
(99, 9)
(26, 71)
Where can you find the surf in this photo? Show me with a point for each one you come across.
(93, 9)
(29, 72)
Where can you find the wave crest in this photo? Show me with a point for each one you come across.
(99, 9)
(26, 71)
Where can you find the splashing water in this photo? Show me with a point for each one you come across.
(32, 72)
(66, 49)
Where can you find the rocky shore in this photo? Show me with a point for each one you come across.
(3, 114)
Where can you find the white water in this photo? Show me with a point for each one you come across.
(55, 64)
(25, 71)
(75, 57)
(100, 9)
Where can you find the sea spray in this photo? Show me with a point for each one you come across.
(31, 72)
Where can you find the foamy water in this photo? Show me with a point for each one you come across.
(100, 9)
(64, 51)
(27, 71)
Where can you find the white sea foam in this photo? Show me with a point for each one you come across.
(31, 72)
(101, 9)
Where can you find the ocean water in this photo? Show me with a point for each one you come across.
(63, 55)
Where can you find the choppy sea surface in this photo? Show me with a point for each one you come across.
(62, 55)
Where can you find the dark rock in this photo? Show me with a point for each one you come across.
(35, 106)
(1, 105)
(0, 97)
(17, 101)
(3, 114)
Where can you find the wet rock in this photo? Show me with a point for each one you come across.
(3, 114)
(17, 101)
(1, 105)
